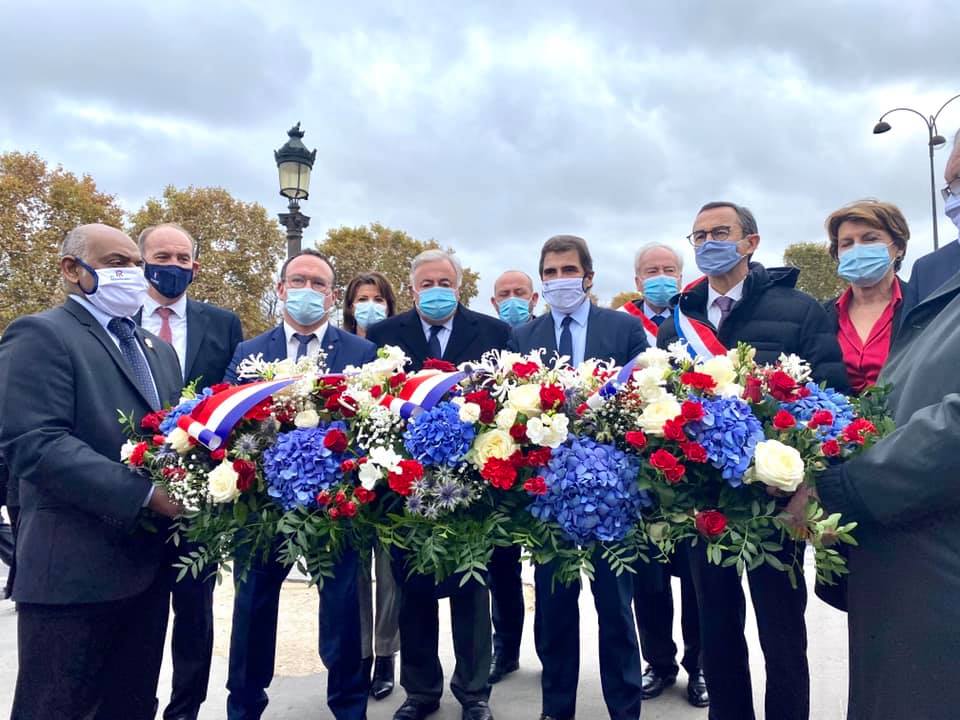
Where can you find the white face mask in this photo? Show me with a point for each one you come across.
(118, 291)
(564, 295)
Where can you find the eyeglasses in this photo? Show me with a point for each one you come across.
(299, 281)
(952, 188)
(699, 237)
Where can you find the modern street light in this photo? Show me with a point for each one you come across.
(294, 162)
(935, 140)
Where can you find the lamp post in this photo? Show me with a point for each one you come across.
(294, 162)
(935, 140)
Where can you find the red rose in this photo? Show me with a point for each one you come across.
(437, 364)
(857, 431)
(663, 460)
(675, 474)
(348, 509)
(803, 391)
(335, 440)
(538, 457)
(698, 381)
(519, 432)
(501, 474)
(348, 465)
(219, 387)
(753, 390)
(581, 409)
(333, 512)
(174, 474)
(820, 417)
(158, 440)
(673, 429)
(636, 439)
(376, 391)
(260, 411)
(323, 497)
(151, 421)
(137, 454)
(364, 496)
(246, 474)
(782, 386)
(784, 420)
(536, 486)
(397, 380)
(694, 452)
(524, 369)
(691, 411)
(488, 406)
(710, 523)
(218, 454)
(551, 397)
(830, 448)
(410, 472)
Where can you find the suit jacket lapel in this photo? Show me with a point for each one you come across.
(196, 330)
(330, 344)
(936, 298)
(544, 335)
(162, 380)
(414, 338)
(461, 334)
(591, 346)
(277, 347)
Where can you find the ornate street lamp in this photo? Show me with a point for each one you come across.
(935, 141)
(294, 163)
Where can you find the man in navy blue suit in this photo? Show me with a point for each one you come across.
(306, 288)
(440, 327)
(204, 337)
(578, 330)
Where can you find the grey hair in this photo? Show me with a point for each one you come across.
(748, 223)
(644, 249)
(147, 231)
(74, 243)
(432, 255)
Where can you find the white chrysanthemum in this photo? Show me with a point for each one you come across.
(650, 382)
(548, 430)
(654, 357)
(678, 351)
(469, 412)
(307, 418)
(795, 366)
(126, 449)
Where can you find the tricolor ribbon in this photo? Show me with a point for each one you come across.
(702, 342)
(649, 326)
(421, 392)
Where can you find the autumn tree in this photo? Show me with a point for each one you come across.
(38, 205)
(354, 250)
(622, 298)
(240, 248)
(818, 271)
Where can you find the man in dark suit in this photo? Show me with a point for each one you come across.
(204, 337)
(306, 288)
(578, 330)
(440, 327)
(90, 590)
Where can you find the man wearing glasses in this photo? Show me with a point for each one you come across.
(933, 270)
(306, 289)
(741, 301)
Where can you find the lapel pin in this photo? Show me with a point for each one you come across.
(148, 342)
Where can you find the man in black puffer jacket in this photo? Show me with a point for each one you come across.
(744, 302)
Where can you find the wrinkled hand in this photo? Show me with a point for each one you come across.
(161, 503)
(796, 509)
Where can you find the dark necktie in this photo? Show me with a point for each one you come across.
(433, 344)
(304, 341)
(724, 303)
(566, 339)
(658, 320)
(124, 331)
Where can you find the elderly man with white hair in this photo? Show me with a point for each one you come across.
(657, 270)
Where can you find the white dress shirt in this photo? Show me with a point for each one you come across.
(293, 345)
(443, 337)
(713, 311)
(578, 329)
(150, 320)
(653, 314)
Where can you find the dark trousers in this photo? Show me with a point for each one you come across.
(14, 513)
(506, 602)
(192, 637)
(783, 638)
(421, 674)
(253, 641)
(96, 661)
(556, 630)
(653, 605)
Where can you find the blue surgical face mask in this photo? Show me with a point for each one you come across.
(369, 312)
(658, 290)
(437, 303)
(717, 257)
(951, 206)
(306, 306)
(514, 311)
(865, 265)
(171, 281)
(564, 295)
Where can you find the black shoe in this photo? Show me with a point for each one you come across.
(654, 683)
(382, 684)
(500, 668)
(413, 710)
(477, 710)
(697, 690)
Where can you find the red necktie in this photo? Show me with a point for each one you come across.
(165, 334)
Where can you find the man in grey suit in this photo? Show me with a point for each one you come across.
(90, 593)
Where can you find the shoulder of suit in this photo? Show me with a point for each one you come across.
(348, 338)
(210, 308)
(485, 319)
(623, 318)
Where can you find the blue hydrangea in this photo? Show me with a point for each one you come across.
(438, 436)
(729, 431)
(184, 408)
(298, 466)
(823, 399)
(591, 491)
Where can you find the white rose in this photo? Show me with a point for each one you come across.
(369, 475)
(179, 440)
(548, 430)
(657, 413)
(654, 357)
(506, 418)
(126, 449)
(733, 390)
(720, 368)
(307, 419)
(493, 444)
(777, 465)
(222, 483)
(650, 381)
(525, 399)
(469, 413)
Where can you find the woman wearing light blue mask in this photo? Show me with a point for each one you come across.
(368, 299)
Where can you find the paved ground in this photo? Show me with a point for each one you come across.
(298, 690)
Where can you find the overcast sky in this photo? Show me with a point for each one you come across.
(491, 127)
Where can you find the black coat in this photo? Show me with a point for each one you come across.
(931, 272)
(774, 317)
(472, 335)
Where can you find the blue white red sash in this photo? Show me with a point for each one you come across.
(421, 392)
(613, 385)
(702, 342)
(649, 326)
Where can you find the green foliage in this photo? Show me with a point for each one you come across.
(818, 271)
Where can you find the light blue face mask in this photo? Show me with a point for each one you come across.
(658, 290)
(369, 312)
(951, 206)
(864, 265)
(514, 311)
(717, 257)
(437, 303)
(306, 306)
